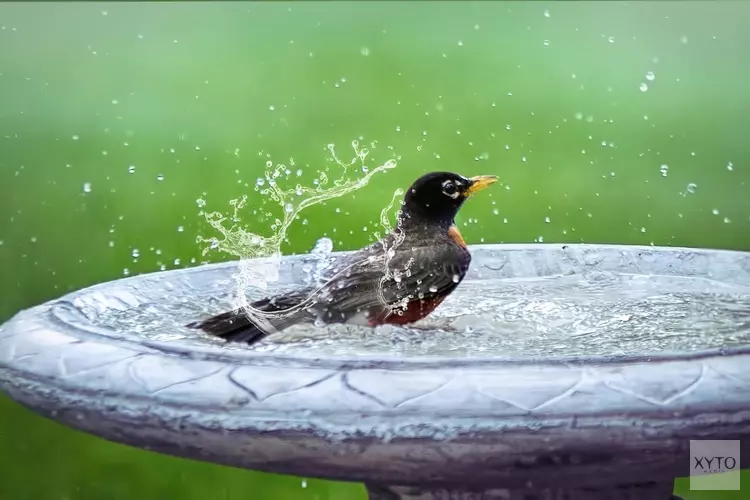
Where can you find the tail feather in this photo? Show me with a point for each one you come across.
(236, 325)
(232, 326)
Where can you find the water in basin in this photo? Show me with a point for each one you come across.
(597, 313)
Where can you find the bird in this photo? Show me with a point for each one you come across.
(398, 280)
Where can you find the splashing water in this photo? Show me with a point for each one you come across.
(260, 255)
(321, 255)
(399, 307)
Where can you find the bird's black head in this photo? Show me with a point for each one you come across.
(437, 196)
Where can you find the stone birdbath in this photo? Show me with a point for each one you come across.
(553, 372)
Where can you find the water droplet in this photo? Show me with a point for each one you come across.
(726, 220)
(86, 187)
(304, 483)
(136, 253)
(664, 169)
(650, 76)
(643, 87)
(546, 43)
(299, 173)
(160, 177)
(684, 39)
(495, 211)
(131, 169)
(691, 187)
(715, 211)
(546, 219)
(579, 116)
(730, 166)
(271, 107)
(260, 181)
(546, 13)
(75, 137)
(180, 229)
(200, 202)
(289, 208)
(460, 43)
(365, 51)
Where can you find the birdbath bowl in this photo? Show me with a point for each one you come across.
(553, 371)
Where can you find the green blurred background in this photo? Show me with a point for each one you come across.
(117, 117)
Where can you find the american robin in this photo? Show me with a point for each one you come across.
(397, 280)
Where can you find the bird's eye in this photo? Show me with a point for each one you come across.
(450, 189)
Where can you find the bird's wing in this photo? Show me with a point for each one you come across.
(372, 278)
(425, 272)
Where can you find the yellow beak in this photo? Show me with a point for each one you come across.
(478, 183)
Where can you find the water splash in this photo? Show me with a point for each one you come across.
(260, 255)
(321, 256)
(398, 238)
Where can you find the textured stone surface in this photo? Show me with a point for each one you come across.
(587, 422)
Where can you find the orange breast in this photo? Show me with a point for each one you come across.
(415, 310)
(455, 235)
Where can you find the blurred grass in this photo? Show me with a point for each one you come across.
(204, 94)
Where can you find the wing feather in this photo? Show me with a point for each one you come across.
(372, 279)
